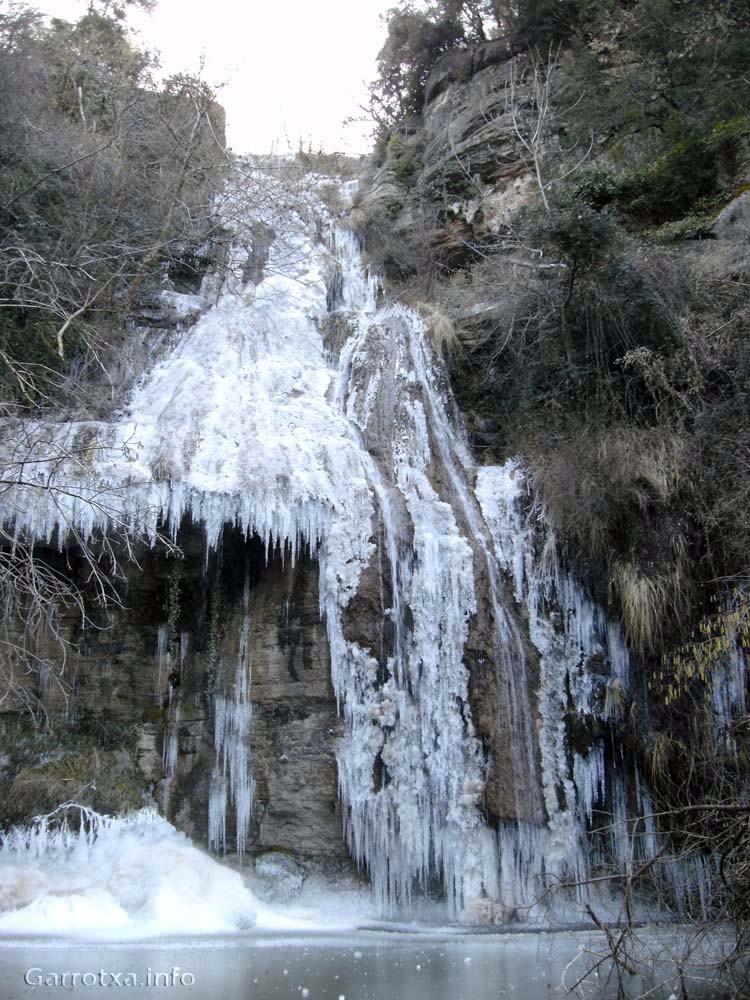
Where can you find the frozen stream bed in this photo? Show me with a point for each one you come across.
(362, 965)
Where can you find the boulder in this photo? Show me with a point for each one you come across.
(281, 875)
(733, 223)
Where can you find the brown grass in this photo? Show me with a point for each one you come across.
(647, 601)
(440, 327)
(604, 491)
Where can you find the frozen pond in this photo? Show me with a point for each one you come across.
(364, 965)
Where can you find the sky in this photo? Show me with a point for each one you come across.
(286, 70)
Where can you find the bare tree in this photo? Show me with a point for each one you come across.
(533, 106)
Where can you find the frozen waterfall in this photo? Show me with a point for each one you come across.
(348, 445)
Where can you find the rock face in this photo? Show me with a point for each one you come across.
(131, 718)
(459, 170)
(462, 64)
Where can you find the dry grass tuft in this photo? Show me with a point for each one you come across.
(647, 601)
(606, 491)
(597, 479)
(442, 331)
(643, 461)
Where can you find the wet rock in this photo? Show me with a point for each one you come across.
(116, 711)
(472, 171)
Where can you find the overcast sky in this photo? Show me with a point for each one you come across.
(290, 69)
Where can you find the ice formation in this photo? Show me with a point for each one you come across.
(251, 420)
(584, 663)
(77, 872)
(352, 449)
(232, 778)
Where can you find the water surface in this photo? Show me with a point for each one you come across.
(363, 965)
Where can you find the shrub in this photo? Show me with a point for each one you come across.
(670, 186)
(692, 227)
(405, 170)
(596, 186)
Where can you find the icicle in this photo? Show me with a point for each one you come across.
(728, 683)
(232, 781)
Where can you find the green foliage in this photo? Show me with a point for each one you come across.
(396, 147)
(691, 227)
(674, 182)
(549, 21)
(662, 85)
(480, 18)
(92, 65)
(405, 166)
(583, 237)
(675, 189)
(596, 186)
(392, 208)
(414, 43)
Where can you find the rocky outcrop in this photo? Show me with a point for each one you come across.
(733, 222)
(460, 171)
(461, 64)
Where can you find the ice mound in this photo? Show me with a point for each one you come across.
(77, 872)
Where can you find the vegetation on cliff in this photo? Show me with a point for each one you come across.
(571, 199)
(107, 184)
(106, 181)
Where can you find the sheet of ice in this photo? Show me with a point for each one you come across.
(234, 424)
(374, 965)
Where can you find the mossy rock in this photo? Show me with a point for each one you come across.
(107, 781)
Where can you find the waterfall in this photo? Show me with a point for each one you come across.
(423, 818)
(351, 449)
